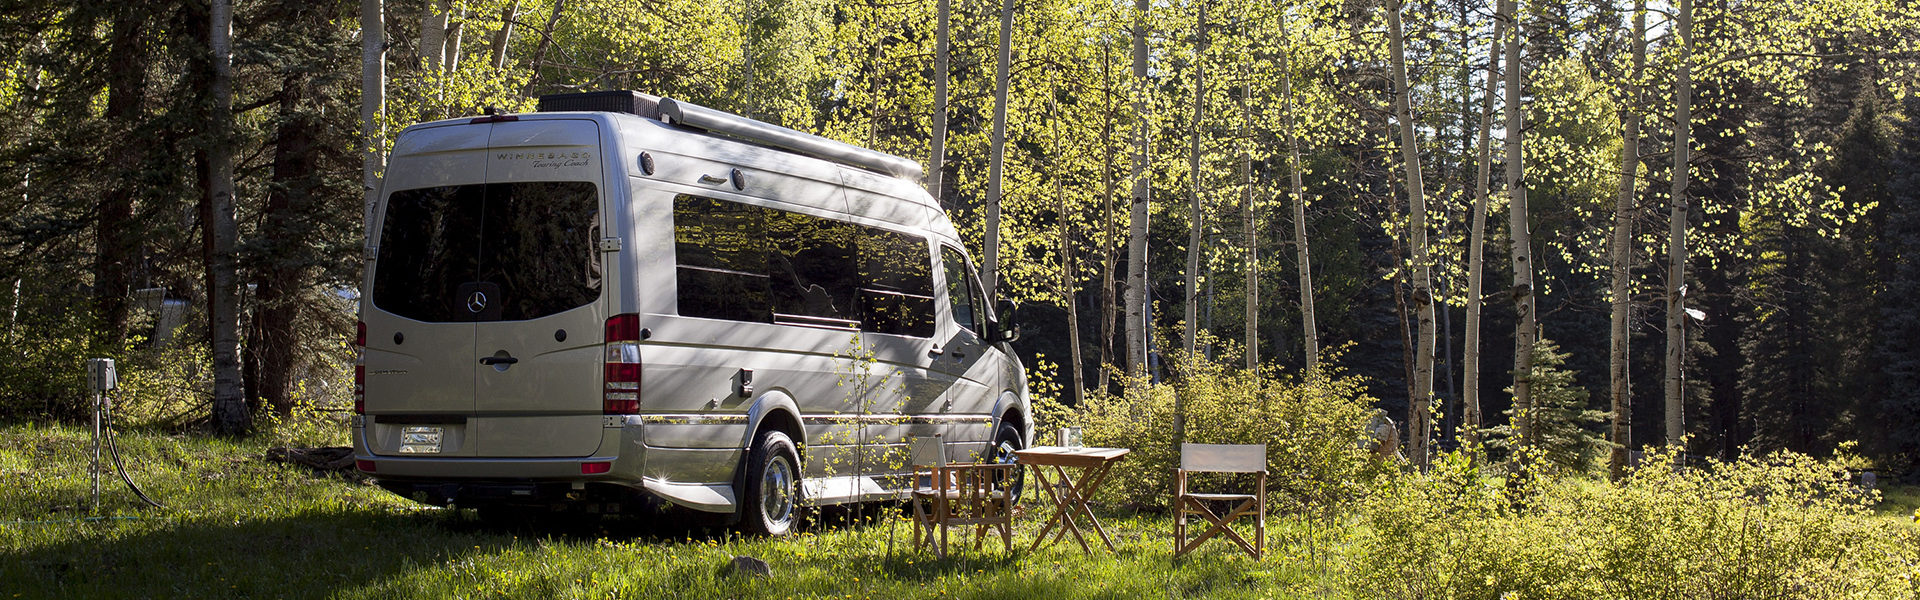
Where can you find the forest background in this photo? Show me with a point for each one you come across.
(1268, 184)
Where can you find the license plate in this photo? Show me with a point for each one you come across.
(421, 440)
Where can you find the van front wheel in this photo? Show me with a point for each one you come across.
(1005, 444)
(772, 495)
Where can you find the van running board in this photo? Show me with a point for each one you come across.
(819, 491)
(822, 491)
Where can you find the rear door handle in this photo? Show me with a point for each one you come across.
(935, 352)
(499, 360)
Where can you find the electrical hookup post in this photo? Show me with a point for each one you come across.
(101, 379)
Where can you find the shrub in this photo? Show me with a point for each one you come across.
(49, 336)
(1780, 526)
(1312, 427)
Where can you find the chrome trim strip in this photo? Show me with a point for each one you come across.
(693, 419)
(735, 419)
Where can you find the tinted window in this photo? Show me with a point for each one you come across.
(530, 249)
(811, 263)
(960, 296)
(896, 293)
(747, 263)
(721, 248)
(540, 244)
(429, 247)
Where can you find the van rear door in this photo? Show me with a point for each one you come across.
(537, 388)
(419, 352)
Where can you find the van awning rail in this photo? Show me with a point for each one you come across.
(693, 115)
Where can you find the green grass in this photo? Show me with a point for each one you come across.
(239, 526)
(1900, 502)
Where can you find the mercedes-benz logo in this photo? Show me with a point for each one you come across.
(477, 302)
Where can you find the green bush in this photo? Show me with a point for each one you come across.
(43, 351)
(1779, 526)
(1312, 427)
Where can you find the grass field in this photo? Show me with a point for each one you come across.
(239, 526)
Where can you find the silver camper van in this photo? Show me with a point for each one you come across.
(622, 301)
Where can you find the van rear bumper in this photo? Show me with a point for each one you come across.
(468, 480)
(619, 444)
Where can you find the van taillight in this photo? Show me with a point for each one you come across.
(360, 369)
(621, 395)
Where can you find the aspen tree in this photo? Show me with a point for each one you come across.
(1420, 405)
(1621, 256)
(230, 413)
(1477, 244)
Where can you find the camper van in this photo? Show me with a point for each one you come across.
(624, 302)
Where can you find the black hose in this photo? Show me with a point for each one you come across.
(113, 448)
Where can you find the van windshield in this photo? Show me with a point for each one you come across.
(489, 252)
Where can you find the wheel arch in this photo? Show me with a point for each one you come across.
(776, 411)
(1013, 410)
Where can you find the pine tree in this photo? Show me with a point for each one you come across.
(1897, 417)
(1778, 381)
(1565, 429)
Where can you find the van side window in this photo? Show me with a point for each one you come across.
(748, 263)
(721, 249)
(811, 264)
(896, 293)
(960, 295)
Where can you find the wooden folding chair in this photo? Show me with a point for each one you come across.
(946, 495)
(1221, 458)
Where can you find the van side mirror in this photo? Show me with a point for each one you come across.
(1004, 327)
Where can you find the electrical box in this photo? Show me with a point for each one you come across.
(743, 383)
(101, 376)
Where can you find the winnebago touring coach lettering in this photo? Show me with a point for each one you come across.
(543, 155)
(605, 375)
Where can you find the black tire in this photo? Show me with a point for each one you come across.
(771, 503)
(1007, 441)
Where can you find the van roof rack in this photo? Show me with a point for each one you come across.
(688, 114)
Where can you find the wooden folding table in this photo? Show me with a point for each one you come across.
(1068, 492)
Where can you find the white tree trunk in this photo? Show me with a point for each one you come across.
(1108, 302)
(1523, 300)
(500, 38)
(1420, 406)
(748, 72)
(373, 100)
(1250, 226)
(990, 263)
(540, 49)
(1309, 333)
(230, 413)
(1677, 224)
(1477, 244)
(433, 34)
(1138, 310)
(1622, 256)
(1197, 215)
(1069, 283)
(456, 32)
(937, 164)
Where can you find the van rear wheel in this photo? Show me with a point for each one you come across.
(772, 497)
